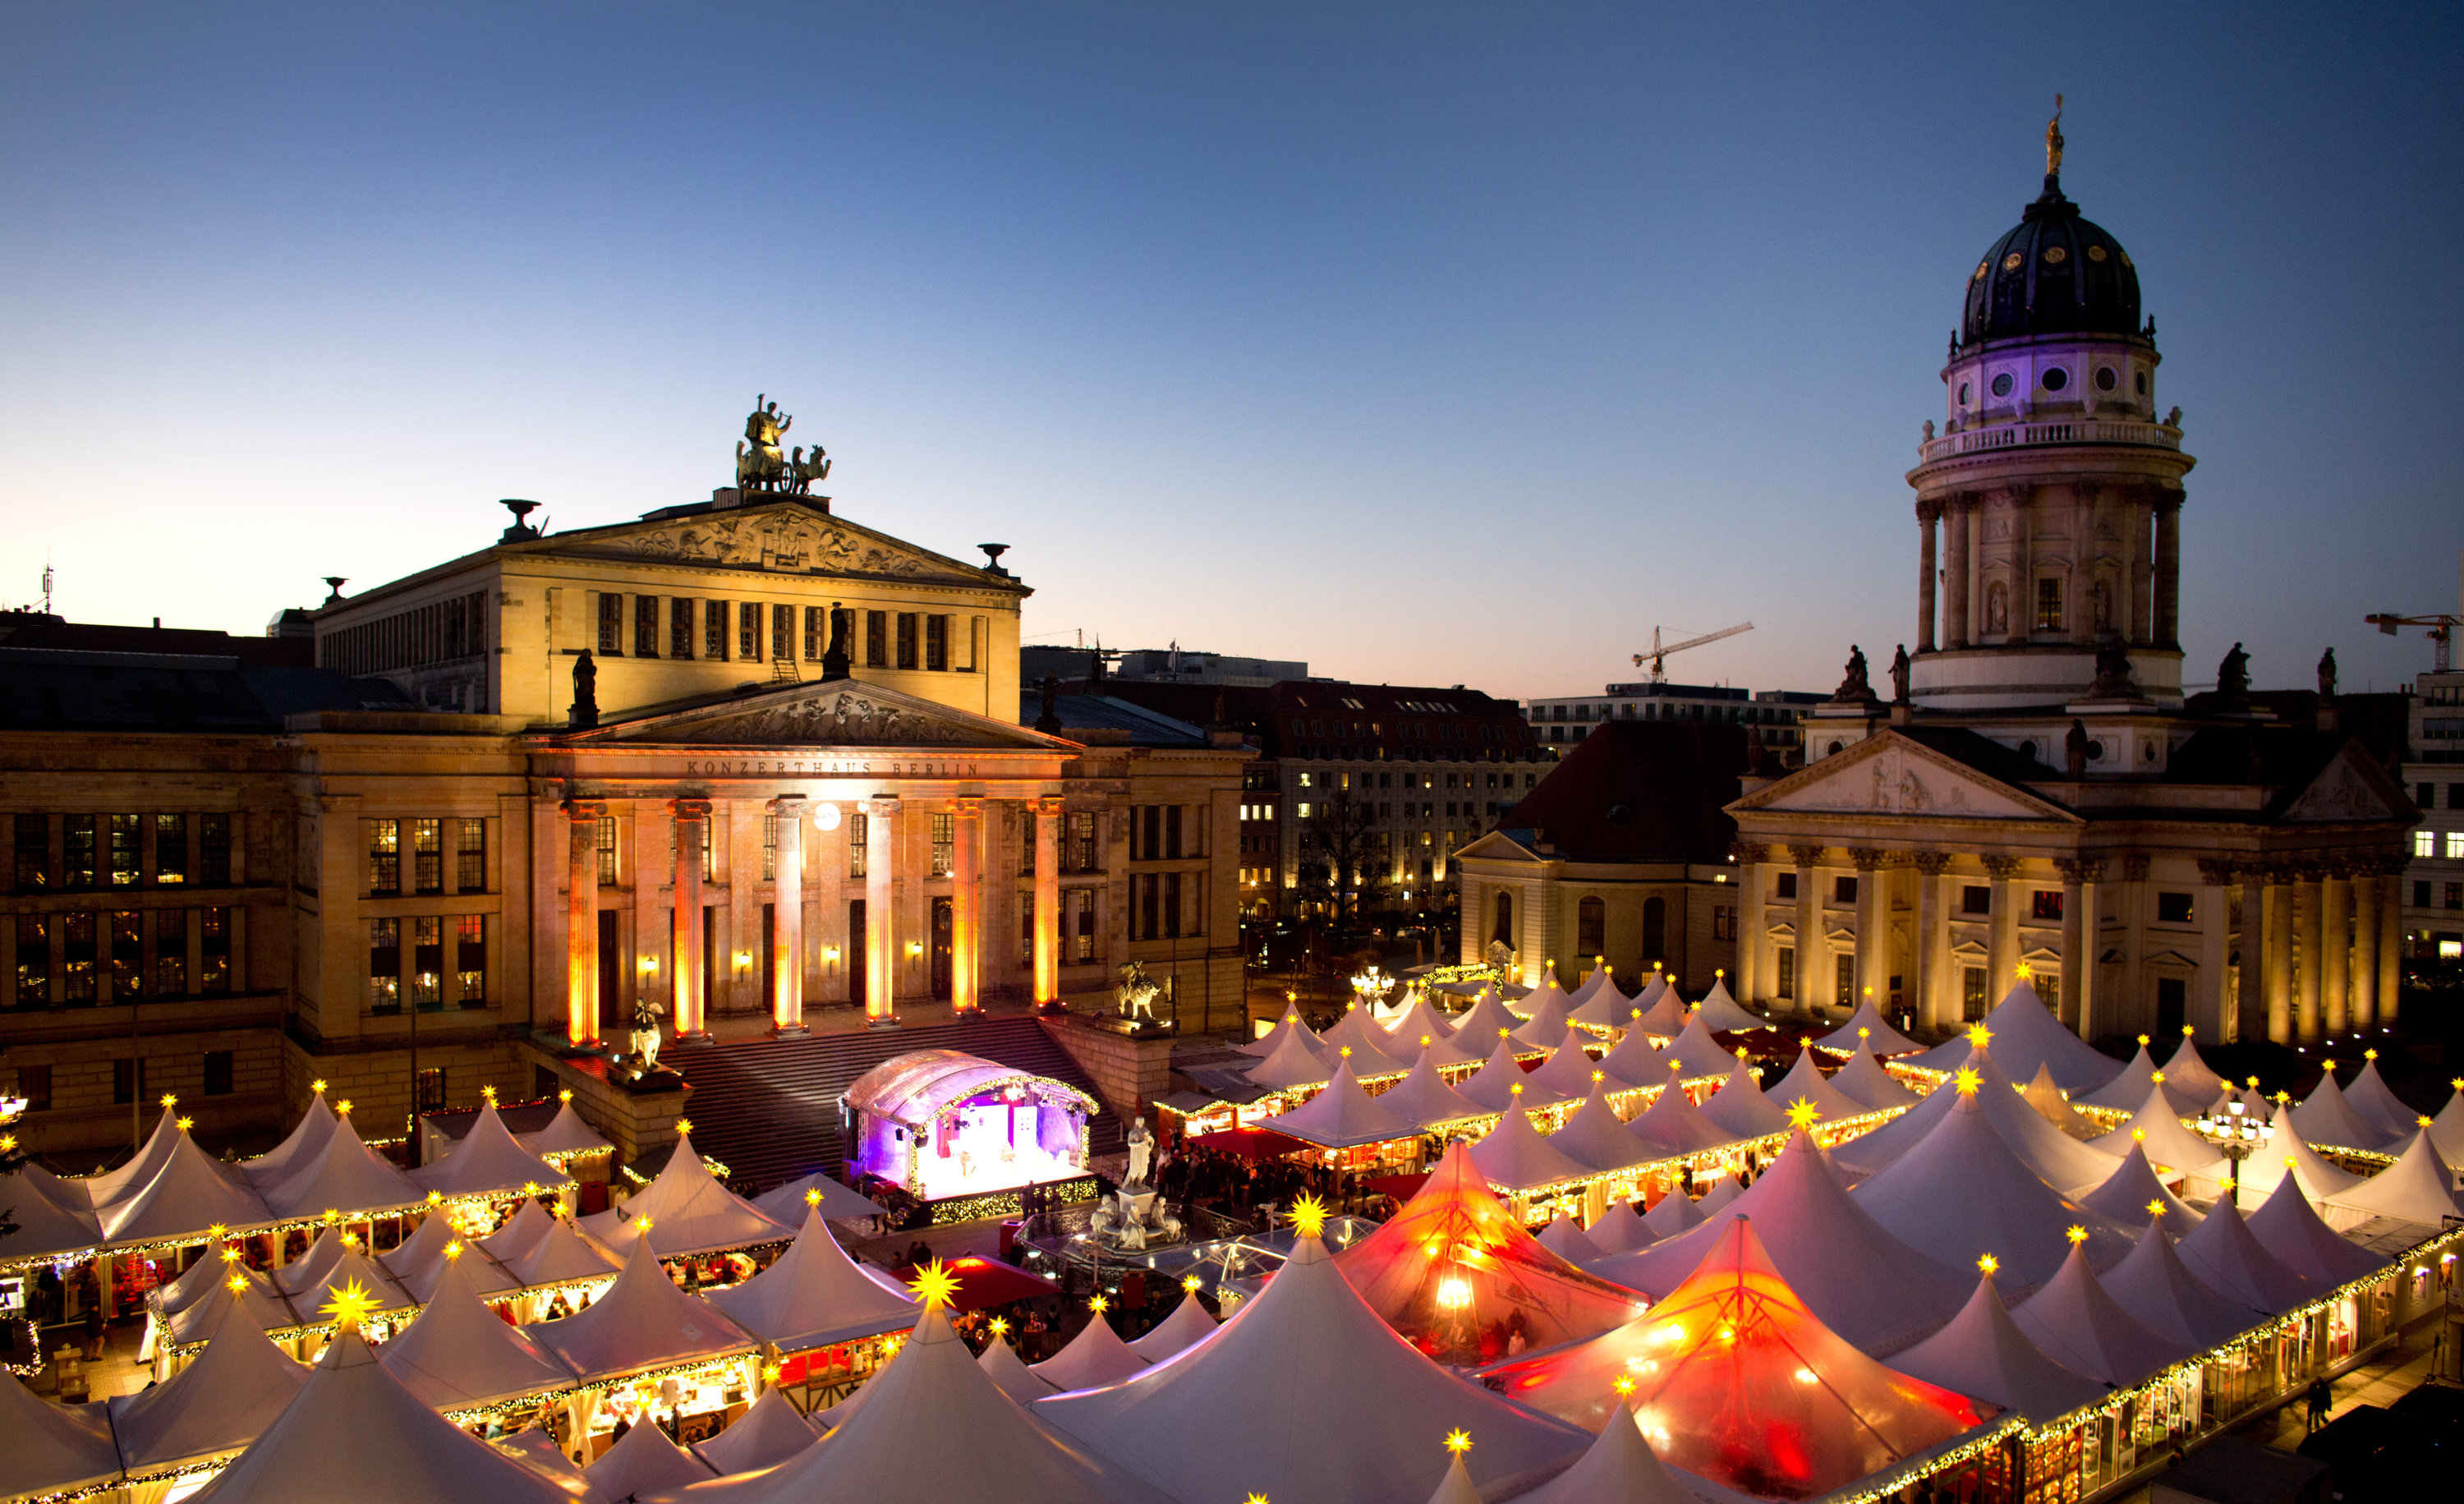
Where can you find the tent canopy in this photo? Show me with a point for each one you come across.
(1092, 1358)
(2025, 1035)
(1867, 1033)
(1342, 1117)
(1984, 1354)
(813, 1294)
(914, 1089)
(2079, 1326)
(764, 1436)
(1718, 1012)
(688, 1212)
(457, 1355)
(643, 1322)
(219, 1403)
(51, 1449)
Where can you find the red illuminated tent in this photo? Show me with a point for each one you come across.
(1736, 1381)
(985, 1283)
(1250, 1143)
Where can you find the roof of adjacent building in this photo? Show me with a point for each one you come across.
(1637, 792)
(1391, 717)
(45, 689)
(38, 630)
(1146, 728)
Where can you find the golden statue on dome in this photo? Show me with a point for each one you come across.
(2053, 140)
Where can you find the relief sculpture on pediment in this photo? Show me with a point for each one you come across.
(778, 542)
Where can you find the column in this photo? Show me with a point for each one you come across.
(2279, 955)
(880, 918)
(2250, 947)
(582, 920)
(1928, 513)
(2091, 877)
(2023, 563)
(1955, 586)
(2135, 560)
(1933, 938)
(2138, 989)
(2082, 601)
(1047, 900)
(1751, 931)
(2390, 937)
(2335, 947)
(1873, 928)
(1809, 943)
(2212, 1011)
(2168, 570)
(2078, 937)
(966, 906)
(692, 829)
(2366, 960)
(2002, 929)
(2307, 944)
(787, 917)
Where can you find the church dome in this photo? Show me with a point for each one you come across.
(2055, 272)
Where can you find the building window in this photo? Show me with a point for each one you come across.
(1843, 890)
(213, 951)
(471, 960)
(944, 843)
(907, 639)
(385, 857)
(1083, 901)
(1654, 929)
(1501, 931)
(1591, 927)
(77, 846)
(170, 953)
(1784, 885)
(1972, 1003)
(1844, 977)
(128, 1080)
(680, 627)
(2425, 843)
(769, 847)
(126, 864)
(1785, 966)
(646, 626)
(607, 851)
(428, 963)
(858, 837)
(1172, 886)
(2047, 903)
(34, 1085)
(427, 1089)
(33, 852)
(783, 633)
(127, 954)
(876, 639)
(612, 625)
(34, 961)
(218, 1073)
(748, 632)
(471, 855)
(1026, 929)
(815, 644)
(1974, 900)
(1172, 832)
(78, 957)
(2049, 989)
(2174, 907)
(1724, 923)
(1082, 841)
(2454, 895)
(214, 851)
(170, 850)
(713, 631)
(2049, 605)
(384, 965)
(936, 643)
(427, 856)
(2454, 845)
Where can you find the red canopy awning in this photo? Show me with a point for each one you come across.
(1251, 1143)
(985, 1283)
(1403, 1188)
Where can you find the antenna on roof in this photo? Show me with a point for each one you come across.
(47, 587)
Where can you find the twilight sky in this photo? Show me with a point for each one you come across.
(1429, 343)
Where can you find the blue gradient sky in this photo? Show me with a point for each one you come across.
(1429, 343)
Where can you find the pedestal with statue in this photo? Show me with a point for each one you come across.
(1133, 1217)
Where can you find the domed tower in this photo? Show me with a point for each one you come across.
(2049, 505)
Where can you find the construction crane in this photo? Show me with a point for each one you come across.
(2441, 633)
(1659, 650)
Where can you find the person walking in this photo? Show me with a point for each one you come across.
(2322, 1399)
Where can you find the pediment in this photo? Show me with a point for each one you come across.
(1498, 845)
(1892, 774)
(2350, 789)
(784, 535)
(845, 713)
(1968, 950)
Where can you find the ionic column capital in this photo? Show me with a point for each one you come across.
(690, 808)
(880, 806)
(1930, 509)
(786, 804)
(586, 810)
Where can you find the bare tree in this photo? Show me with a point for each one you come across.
(1343, 858)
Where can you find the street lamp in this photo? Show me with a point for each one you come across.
(2235, 1131)
(1370, 987)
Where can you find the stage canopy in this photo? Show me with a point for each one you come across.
(945, 1123)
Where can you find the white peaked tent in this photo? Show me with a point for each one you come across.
(1295, 1061)
(1309, 1359)
(1867, 1033)
(1872, 1287)
(1566, 1074)
(1806, 1082)
(1523, 1000)
(1008, 1373)
(349, 1266)
(1864, 1081)
(2025, 1035)
(1594, 1139)
(1660, 1010)
(786, 1204)
(1740, 1106)
(1189, 1324)
(2324, 1116)
(1717, 1198)
(1961, 1193)
(1423, 1098)
(1622, 1230)
(2125, 1197)
(1547, 1026)
(422, 1260)
(560, 1256)
(2288, 1226)
(354, 1427)
(2062, 1160)
(48, 1222)
(2081, 1327)
(1565, 1237)
(50, 1448)
(1486, 1016)
(1342, 1117)
(456, 1355)
(119, 1184)
(1513, 1156)
(1634, 1062)
(2285, 1151)
(1607, 1006)
(2047, 1098)
(1456, 1487)
(763, 1436)
(932, 1426)
(1288, 1024)
(188, 1194)
(1619, 1468)
(2156, 1129)
(1491, 1087)
(564, 1133)
(643, 1321)
(1670, 1215)
(1374, 1051)
(644, 1462)
(2154, 1287)
(345, 1175)
(197, 1321)
(2447, 1129)
(303, 1273)
(304, 1142)
(225, 1398)
(536, 1450)
(2419, 1186)
(1092, 1358)
(2189, 1070)
(521, 1232)
(2369, 1096)
(1672, 1125)
(1600, 981)
(1718, 1012)
(2127, 1093)
(814, 1295)
(215, 1265)
(1417, 1019)
(488, 1162)
(1984, 1354)
(2230, 1261)
(688, 1210)
(1697, 1053)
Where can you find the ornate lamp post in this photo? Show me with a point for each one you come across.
(2230, 1127)
(1370, 986)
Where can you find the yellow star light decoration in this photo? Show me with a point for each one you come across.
(317, 1087)
(2076, 1233)
(2026, 971)
(238, 1284)
(454, 1249)
(436, 1198)
(343, 1107)
(1979, 1036)
(1190, 1283)
(1001, 1326)
(349, 1305)
(565, 1095)
(1308, 1217)
(186, 1123)
(642, 1226)
(230, 1255)
(1988, 1263)
(1624, 1383)
(1098, 1304)
(684, 1125)
(770, 1373)
(2369, 1054)
(1256, 1499)
(2155, 1209)
(1966, 1080)
(216, 1230)
(812, 1198)
(2142, 1039)
(489, 1093)
(1457, 1441)
(169, 1101)
(1802, 1113)
(935, 1285)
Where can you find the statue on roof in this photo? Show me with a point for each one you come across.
(2327, 674)
(1050, 721)
(2053, 140)
(1856, 685)
(585, 691)
(760, 465)
(1900, 676)
(2114, 679)
(803, 471)
(2232, 675)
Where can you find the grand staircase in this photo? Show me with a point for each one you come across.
(769, 1108)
